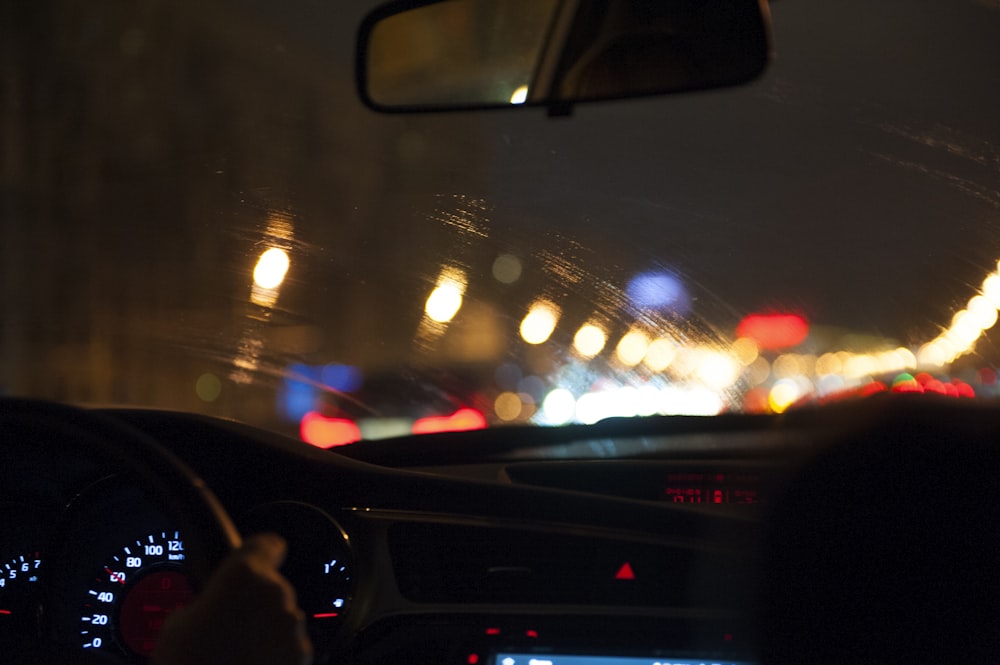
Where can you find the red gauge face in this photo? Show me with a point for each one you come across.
(147, 605)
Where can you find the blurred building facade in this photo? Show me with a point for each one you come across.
(151, 151)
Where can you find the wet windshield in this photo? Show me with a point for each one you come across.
(197, 213)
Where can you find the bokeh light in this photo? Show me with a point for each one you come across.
(783, 394)
(659, 290)
(342, 378)
(828, 363)
(983, 312)
(745, 350)
(271, 268)
(324, 432)
(507, 376)
(660, 354)
(860, 365)
(717, 370)
(991, 289)
(208, 387)
(533, 386)
(507, 269)
(559, 407)
(786, 366)
(690, 401)
(647, 401)
(446, 299)
(540, 322)
(936, 353)
(759, 371)
(589, 340)
(463, 420)
(507, 406)
(632, 348)
(829, 384)
(774, 331)
(905, 383)
(685, 362)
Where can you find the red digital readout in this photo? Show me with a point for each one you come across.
(712, 488)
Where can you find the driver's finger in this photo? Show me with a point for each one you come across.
(267, 548)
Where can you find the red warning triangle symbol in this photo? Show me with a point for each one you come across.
(625, 572)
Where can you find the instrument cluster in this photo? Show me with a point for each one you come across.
(102, 574)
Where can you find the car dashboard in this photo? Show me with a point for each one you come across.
(722, 540)
(526, 561)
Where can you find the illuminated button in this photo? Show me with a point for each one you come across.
(625, 572)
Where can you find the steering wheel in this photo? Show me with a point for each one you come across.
(169, 484)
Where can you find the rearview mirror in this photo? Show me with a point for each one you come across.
(422, 55)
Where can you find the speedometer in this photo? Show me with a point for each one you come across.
(132, 595)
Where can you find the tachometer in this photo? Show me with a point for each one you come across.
(17, 576)
(133, 593)
(18, 602)
(22, 565)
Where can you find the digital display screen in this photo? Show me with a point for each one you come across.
(567, 659)
(721, 488)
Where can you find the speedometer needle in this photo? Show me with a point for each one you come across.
(5, 611)
(115, 577)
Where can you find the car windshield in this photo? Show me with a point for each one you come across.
(198, 213)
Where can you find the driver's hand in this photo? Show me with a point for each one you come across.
(246, 614)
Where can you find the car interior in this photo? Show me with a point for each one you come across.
(860, 526)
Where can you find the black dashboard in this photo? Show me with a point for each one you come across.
(388, 564)
(517, 560)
